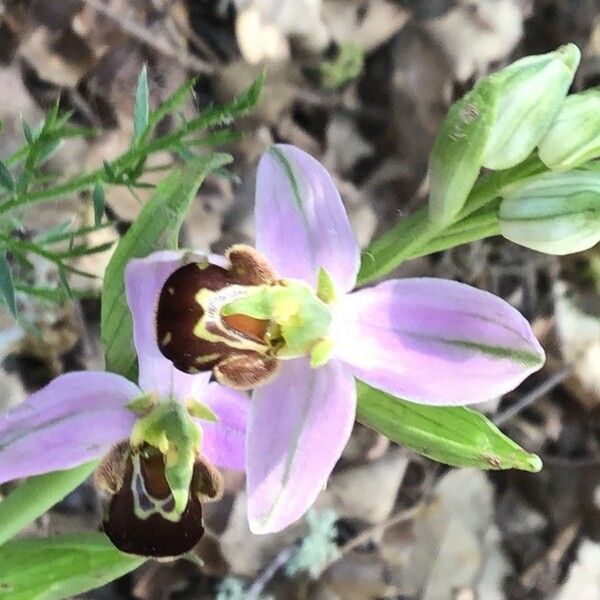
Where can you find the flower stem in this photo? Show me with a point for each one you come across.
(417, 236)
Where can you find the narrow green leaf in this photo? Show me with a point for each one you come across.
(61, 122)
(47, 150)
(23, 182)
(85, 250)
(54, 233)
(453, 435)
(61, 566)
(27, 132)
(224, 115)
(99, 203)
(213, 116)
(6, 179)
(86, 132)
(170, 104)
(71, 235)
(6, 284)
(184, 153)
(141, 110)
(51, 117)
(109, 170)
(35, 496)
(56, 295)
(217, 138)
(62, 276)
(156, 228)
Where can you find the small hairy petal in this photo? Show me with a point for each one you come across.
(298, 427)
(74, 419)
(223, 442)
(434, 341)
(301, 223)
(144, 279)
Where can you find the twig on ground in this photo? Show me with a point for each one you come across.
(256, 589)
(379, 528)
(365, 536)
(553, 555)
(535, 394)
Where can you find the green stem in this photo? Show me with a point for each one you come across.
(414, 235)
(465, 236)
(62, 189)
(36, 495)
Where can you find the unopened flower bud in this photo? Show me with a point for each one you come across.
(530, 93)
(497, 125)
(457, 154)
(574, 137)
(554, 213)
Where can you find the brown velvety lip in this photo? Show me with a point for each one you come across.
(155, 536)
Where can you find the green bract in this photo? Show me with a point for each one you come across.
(555, 213)
(170, 428)
(458, 152)
(529, 94)
(574, 137)
(496, 125)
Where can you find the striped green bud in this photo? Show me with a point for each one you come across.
(554, 213)
(530, 93)
(497, 125)
(574, 137)
(457, 154)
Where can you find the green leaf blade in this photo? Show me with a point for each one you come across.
(6, 179)
(452, 435)
(141, 112)
(61, 566)
(35, 496)
(6, 284)
(28, 133)
(99, 201)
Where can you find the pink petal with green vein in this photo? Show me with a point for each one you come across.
(434, 341)
(301, 223)
(74, 419)
(298, 427)
(223, 443)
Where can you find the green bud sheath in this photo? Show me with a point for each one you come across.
(574, 136)
(554, 213)
(530, 92)
(457, 154)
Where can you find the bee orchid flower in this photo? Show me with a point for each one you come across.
(160, 440)
(283, 319)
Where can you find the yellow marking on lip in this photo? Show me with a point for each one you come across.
(166, 339)
(206, 359)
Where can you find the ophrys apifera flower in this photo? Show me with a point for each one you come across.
(283, 319)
